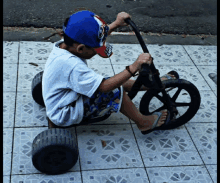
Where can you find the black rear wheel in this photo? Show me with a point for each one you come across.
(54, 151)
(36, 88)
(183, 94)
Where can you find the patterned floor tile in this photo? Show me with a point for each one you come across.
(104, 147)
(137, 175)
(7, 140)
(22, 162)
(6, 164)
(215, 92)
(189, 174)
(202, 55)
(104, 70)
(169, 55)
(210, 75)
(6, 179)
(115, 118)
(70, 177)
(204, 136)
(97, 60)
(10, 52)
(36, 52)
(28, 112)
(26, 74)
(125, 53)
(9, 77)
(189, 73)
(8, 109)
(208, 108)
(167, 148)
(213, 172)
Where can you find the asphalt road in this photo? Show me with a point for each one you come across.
(157, 16)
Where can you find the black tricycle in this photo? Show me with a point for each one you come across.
(55, 150)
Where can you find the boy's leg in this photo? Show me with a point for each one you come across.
(143, 122)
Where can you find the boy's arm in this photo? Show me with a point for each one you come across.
(116, 81)
(119, 21)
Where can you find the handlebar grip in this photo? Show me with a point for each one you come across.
(145, 69)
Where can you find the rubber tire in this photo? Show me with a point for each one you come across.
(36, 88)
(188, 115)
(54, 141)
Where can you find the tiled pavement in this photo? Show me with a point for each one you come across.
(187, 154)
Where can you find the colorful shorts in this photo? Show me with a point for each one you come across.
(101, 104)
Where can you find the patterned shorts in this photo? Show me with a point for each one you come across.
(101, 104)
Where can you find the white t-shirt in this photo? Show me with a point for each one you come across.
(66, 78)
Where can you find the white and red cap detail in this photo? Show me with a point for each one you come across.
(105, 50)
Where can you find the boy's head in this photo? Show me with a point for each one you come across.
(85, 34)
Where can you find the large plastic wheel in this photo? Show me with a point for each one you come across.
(54, 151)
(185, 97)
(36, 88)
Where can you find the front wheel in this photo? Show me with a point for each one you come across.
(183, 94)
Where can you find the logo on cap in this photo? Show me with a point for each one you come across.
(103, 29)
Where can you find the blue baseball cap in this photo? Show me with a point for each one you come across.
(87, 28)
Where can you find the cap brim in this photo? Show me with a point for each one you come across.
(105, 51)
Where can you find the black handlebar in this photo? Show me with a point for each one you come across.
(140, 39)
(144, 67)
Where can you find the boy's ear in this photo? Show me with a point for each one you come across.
(80, 48)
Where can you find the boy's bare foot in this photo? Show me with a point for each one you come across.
(148, 121)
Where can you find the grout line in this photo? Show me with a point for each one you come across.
(139, 151)
(79, 155)
(198, 152)
(197, 68)
(15, 112)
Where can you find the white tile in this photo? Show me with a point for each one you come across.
(137, 175)
(10, 52)
(215, 92)
(104, 147)
(208, 108)
(115, 118)
(204, 136)
(213, 172)
(169, 55)
(187, 174)
(167, 148)
(202, 55)
(7, 140)
(26, 74)
(6, 179)
(36, 52)
(8, 109)
(69, 177)
(28, 112)
(6, 164)
(125, 53)
(9, 77)
(189, 73)
(208, 72)
(104, 70)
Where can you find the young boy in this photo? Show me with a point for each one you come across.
(73, 92)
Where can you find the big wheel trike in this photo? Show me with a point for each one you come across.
(55, 150)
